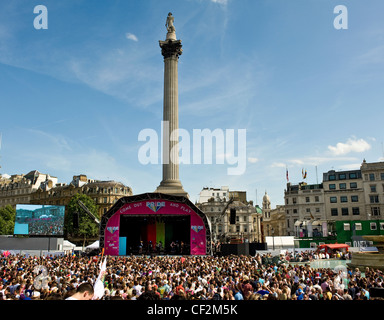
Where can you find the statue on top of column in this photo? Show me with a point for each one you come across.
(169, 23)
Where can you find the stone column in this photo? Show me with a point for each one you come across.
(171, 50)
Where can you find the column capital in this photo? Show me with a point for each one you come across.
(171, 48)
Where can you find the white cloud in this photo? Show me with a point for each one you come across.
(252, 160)
(278, 165)
(352, 145)
(131, 36)
(314, 161)
(351, 166)
(222, 2)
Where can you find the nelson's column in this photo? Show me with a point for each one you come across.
(171, 50)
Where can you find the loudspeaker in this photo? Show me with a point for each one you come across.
(75, 220)
(236, 249)
(232, 217)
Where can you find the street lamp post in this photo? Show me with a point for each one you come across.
(273, 238)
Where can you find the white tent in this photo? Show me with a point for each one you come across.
(280, 242)
(67, 245)
(94, 245)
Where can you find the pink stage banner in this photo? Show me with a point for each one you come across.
(198, 231)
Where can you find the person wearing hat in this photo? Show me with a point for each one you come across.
(300, 294)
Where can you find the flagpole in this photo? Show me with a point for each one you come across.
(317, 180)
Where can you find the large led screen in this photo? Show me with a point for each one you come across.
(39, 220)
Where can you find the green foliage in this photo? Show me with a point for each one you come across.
(87, 227)
(7, 219)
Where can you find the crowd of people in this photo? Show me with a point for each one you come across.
(46, 226)
(180, 278)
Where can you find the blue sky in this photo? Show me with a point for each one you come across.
(74, 97)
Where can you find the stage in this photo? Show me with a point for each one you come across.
(155, 223)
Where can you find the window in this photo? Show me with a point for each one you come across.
(332, 186)
(342, 176)
(371, 177)
(306, 199)
(332, 177)
(358, 226)
(237, 228)
(308, 210)
(353, 185)
(294, 200)
(344, 211)
(294, 210)
(373, 187)
(374, 199)
(356, 211)
(352, 175)
(375, 211)
(373, 226)
(105, 199)
(343, 199)
(317, 209)
(334, 212)
(343, 186)
(381, 225)
(316, 198)
(347, 226)
(382, 176)
(355, 198)
(333, 199)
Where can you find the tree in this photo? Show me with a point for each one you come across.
(87, 227)
(7, 219)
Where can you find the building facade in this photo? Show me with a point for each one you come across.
(18, 188)
(246, 228)
(217, 194)
(344, 195)
(303, 203)
(346, 202)
(373, 184)
(274, 221)
(104, 193)
(221, 194)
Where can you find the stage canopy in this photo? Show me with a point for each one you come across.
(149, 219)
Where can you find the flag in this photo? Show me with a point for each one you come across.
(304, 173)
(98, 287)
(287, 174)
